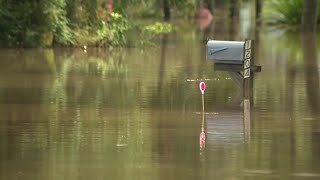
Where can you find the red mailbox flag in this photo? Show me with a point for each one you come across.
(202, 87)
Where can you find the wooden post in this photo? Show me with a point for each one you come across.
(247, 86)
(247, 57)
(247, 72)
(258, 11)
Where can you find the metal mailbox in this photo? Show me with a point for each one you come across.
(225, 52)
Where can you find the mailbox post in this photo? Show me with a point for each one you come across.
(248, 62)
(237, 58)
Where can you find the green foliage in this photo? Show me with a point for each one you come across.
(153, 8)
(111, 33)
(147, 9)
(55, 13)
(34, 23)
(116, 28)
(158, 28)
(148, 33)
(46, 23)
(13, 20)
(284, 12)
(92, 7)
(183, 8)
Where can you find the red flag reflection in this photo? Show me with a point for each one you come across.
(202, 140)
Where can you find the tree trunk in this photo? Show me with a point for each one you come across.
(71, 6)
(234, 19)
(234, 9)
(258, 10)
(208, 5)
(309, 16)
(166, 10)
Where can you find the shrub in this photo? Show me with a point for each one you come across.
(158, 28)
(116, 28)
(284, 12)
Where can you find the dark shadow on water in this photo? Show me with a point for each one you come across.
(164, 40)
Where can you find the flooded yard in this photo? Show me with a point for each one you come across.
(136, 113)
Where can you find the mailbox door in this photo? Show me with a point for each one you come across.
(226, 52)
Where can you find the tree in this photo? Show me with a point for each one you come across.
(258, 9)
(166, 10)
(309, 15)
(234, 9)
(208, 4)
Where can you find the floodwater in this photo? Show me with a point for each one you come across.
(137, 113)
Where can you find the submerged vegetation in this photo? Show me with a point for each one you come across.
(285, 12)
(158, 28)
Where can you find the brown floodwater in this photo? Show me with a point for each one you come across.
(136, 113)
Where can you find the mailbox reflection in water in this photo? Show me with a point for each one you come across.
(228, 127)
(225, 52)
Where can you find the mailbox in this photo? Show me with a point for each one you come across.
(225, 52)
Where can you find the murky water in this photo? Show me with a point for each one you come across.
(137, 113)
